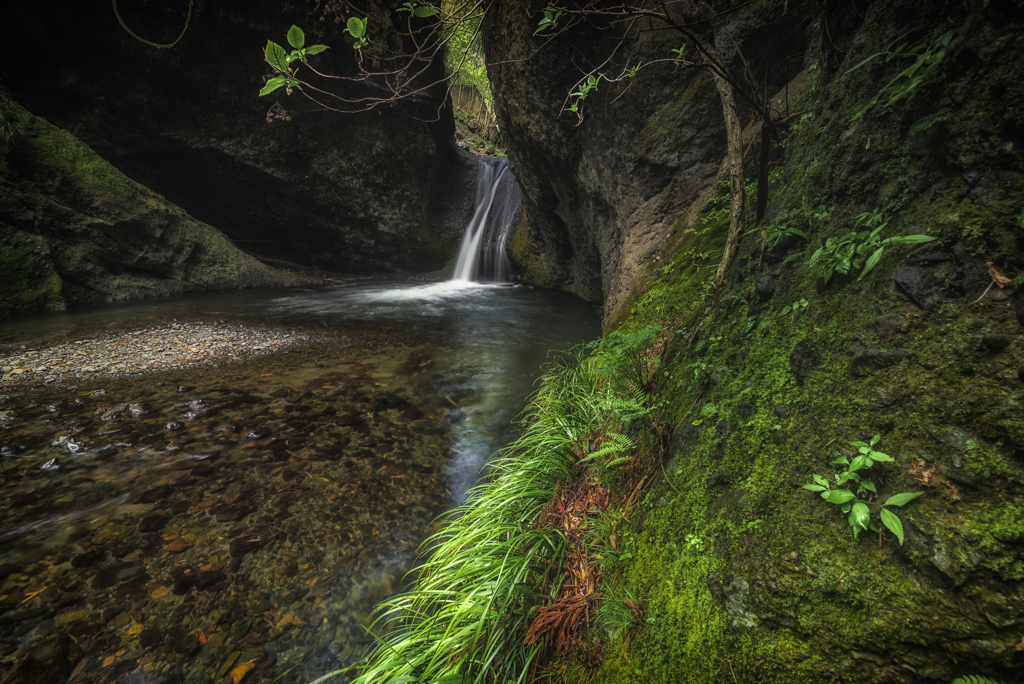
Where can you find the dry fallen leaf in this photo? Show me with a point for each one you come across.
(997, 277)
(160, 592)
(240, 671)
(202, 637)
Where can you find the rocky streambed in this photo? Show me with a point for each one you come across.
(237, 520)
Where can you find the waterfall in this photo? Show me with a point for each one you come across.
(482, 253)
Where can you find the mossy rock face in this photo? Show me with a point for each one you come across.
(30, 283)
(75, 230)
(371, 192)
(775, 373)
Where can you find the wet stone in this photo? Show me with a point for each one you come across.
(107, 576)
(153, 522)
(88, 558)
(49, 662)
(183, 585)
(207, 579)
(179, 545)
(153, 495)
(232, 513)
(131, 573)
(247, 543)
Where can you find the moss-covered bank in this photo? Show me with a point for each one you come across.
(776, 372)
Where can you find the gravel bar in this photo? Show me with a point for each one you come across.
(176, 345)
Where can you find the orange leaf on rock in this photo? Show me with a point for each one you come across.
(997, 277)
(239, 672)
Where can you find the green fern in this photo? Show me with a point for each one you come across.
(975, 679)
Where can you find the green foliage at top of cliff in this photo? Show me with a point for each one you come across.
(465, 55)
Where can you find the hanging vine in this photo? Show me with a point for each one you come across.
(188, 18)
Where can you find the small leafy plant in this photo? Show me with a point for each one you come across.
(584, 89)
(550, 20)
(281, 60)
(794, 308)
(356, 28)
(853, 493)
(858, 250)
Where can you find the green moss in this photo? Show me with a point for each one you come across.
(29, 281)
(818, 604)
(530, 261)
(434, 241)
(60, 149)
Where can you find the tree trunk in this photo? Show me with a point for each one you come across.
(734, 137)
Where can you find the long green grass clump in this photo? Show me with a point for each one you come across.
(491, 568)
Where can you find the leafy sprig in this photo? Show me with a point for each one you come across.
(281, 60)
(858, 249)
(852, 492)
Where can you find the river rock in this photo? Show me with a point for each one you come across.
(153, 522)
(179, 545)
(48, 662)
(88, 558)
(246, 543)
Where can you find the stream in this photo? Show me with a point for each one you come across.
(220, 488)
(250, 513)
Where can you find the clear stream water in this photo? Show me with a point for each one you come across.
(243, 518)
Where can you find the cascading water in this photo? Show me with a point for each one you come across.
(482, 253)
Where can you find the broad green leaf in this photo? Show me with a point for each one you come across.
(860, 516)
(902, 498)
(272, 85)
(276, 56)
(871, 262)
(845, 508)
(296, 38)
(842, 460)
(838, 496)
(869, 485)
(424, 11)
(316, 49)
(815, 488)
(893, 523)
(820, 480)
(356, 27)
(879, 456)
(858, 463)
